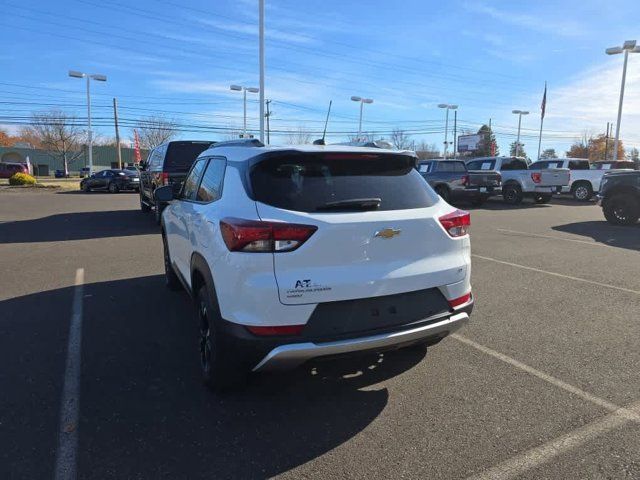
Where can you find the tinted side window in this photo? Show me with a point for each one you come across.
(481, 165)
(193, 179)
(181, 155)
(578, 165)
(538, 166)
(459, 167)
(210, 188)
(446, 167)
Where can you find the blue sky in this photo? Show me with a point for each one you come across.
(177, 59)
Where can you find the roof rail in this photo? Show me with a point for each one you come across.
(241, 142)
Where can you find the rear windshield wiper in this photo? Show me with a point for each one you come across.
(352, 204)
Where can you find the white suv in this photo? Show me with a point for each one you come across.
(295, 253)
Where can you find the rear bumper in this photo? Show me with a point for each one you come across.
(294, 354)
(470, 193)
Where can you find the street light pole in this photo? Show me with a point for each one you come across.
(239, 88)
(89, 77)
(520, 113)
(362, 102)
(261, 33)
(628, 46)
(446, 125)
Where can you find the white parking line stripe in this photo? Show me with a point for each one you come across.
(521, 463)
(65, 468)
(569, 277)
(553, 237)
(543, 376)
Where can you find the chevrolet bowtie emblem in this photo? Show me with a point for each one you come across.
(388, 233)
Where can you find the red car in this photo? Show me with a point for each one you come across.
(7, 170)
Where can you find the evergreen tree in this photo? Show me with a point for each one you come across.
(487, 146)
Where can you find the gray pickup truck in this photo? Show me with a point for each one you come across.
(454, 182)
(519, 182)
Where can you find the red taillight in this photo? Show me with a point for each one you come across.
(536, 177)
(279, 330)
(165, 178)
(456, 302)
(255, 236)
(465, 180)
(456, 223)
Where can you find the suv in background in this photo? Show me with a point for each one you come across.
(298, 253)
(452, 181)
(167, 164)
(620, 197)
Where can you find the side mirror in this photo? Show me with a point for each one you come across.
(164, 194)
(142, 166)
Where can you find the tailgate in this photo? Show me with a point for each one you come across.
(483, 178)
(553, 177)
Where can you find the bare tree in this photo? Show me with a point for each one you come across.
(154, 131)
(400, 139)
(59, 134)
(298, 137)
(363, 137)
(425, 150)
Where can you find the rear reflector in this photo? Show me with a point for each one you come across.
(536, 177)
(456, 223)
(456, 302)
(241, 235)
(165, 178)
(280, 330)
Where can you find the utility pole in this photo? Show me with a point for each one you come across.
(261, 55)
(455, 133)
(115, 121)
(267, 115)
(606, 143)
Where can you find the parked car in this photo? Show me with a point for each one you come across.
(453, 182)
(84, 172)
(111, 180)
(298, 253)
(8, 170)
(614, 165)
(519, 182)
(60, 174)
(167, 164)
(620, 197)
(584, 181)
(131, 168)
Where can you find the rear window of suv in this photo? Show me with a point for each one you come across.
(308, 182)
(181, 155)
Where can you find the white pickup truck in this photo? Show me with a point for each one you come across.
(585, 177)
(519, 182)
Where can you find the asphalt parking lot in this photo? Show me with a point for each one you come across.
(542, 384)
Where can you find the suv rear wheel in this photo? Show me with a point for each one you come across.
(170, 277)
(221, 366)
(621, 209)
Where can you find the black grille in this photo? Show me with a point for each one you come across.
(351, 318)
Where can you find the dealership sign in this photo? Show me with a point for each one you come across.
(469, 143)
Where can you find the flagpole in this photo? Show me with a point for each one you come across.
(544, 106)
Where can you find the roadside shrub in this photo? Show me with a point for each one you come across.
(22, 179)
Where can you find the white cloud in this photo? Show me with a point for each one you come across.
(565, 27)
(252, 29)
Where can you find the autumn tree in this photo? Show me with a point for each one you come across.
(59, 134)
(548, 153)
(5, 139)
(595, 148)
(154, 131)
(487, 146)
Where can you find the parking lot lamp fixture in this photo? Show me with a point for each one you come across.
(520, 113)
(447, 107)
(238, 88)
(362, 102)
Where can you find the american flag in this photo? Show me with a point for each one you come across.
(544, 100)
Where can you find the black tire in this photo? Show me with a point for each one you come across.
(171, 279)
(85, 188)
(443, 192)
(113, 187)
(541, 198)
(582, 191)
(512, 195)
(621, 209)
(221, 366)
(144, 206)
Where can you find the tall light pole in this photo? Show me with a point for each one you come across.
(100, 78)
(261, 54)
(520, 113)
(362, 102)
(238, 88)
(628, 46)
(447, 107)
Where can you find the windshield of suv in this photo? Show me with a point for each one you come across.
(181, 155)
(344, 181)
